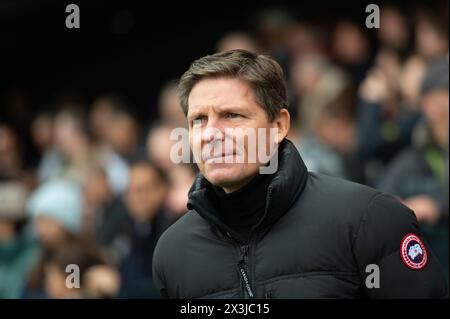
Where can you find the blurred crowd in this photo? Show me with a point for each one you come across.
(368, 105)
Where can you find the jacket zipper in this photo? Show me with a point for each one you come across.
(242, 266)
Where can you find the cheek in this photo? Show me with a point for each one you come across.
(194, 140)
(268, 138)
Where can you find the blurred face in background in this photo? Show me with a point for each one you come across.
(7, 230)
(430, 41)
(146, 192)
(159, 145)
(96, 188)
(100, 117)
(393, 31)
(349, 44)
(123, 133)
(50, 232)
(169, 107)
(41, 131)
(69, 136)
(304, 40)
(306, 74)
(388, 62)
(435, 107)
(10, 162)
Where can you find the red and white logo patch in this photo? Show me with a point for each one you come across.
(413, 252)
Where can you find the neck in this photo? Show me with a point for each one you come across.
(235, 187)
(243, 208)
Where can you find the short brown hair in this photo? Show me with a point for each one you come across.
(262, 73)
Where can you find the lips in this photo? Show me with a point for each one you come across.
(217, 157)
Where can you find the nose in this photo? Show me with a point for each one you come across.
(212, 132)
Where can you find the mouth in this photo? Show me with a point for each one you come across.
(218, 158)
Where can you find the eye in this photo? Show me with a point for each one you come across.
(198, 119)
(233, 115)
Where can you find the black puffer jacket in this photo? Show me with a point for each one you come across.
(315, 240)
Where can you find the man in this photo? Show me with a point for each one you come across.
(288, 234)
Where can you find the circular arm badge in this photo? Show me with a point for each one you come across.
(413, 252)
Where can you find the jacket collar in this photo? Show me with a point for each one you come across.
(284, 189)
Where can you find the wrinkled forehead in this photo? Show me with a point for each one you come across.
(220, 93)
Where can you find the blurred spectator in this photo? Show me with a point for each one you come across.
(73, 143)
(303, 39)
(108, 110)
(11, 165)
(419, 174)
(144, 199)
(16, 110)
(411, 77)
(159, 145)
(320, 86)
(56, 208)
(432, 34)
(336, 127)
(101, 112)
(316, 82)
(51, 160)
(394, 31)
(106, 219)
(169, 107)
(97, 195)
(351, 48)
(18, 250)
(387, 111)
(272, 25)
(123, 134)
(41, 131)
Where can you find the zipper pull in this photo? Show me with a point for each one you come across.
(243, 272)
(244, 277)
(244, 251)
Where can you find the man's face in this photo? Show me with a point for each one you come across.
(217, 104)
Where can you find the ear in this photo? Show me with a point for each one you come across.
(282, 122)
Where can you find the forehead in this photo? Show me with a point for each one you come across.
(219, 92)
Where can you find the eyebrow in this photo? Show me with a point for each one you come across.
(220, 109)
(194, 114)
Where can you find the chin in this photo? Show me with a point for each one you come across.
(224, 174)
